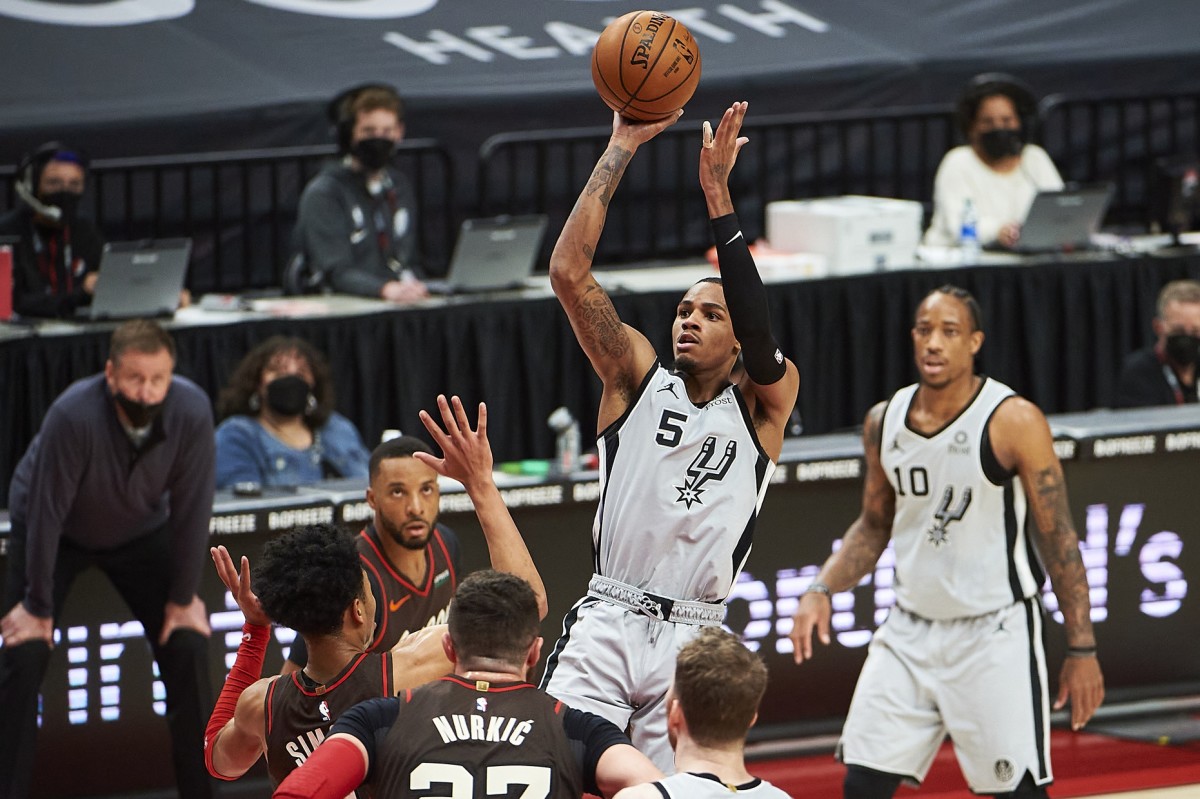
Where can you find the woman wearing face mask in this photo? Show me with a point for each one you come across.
(998, 169)
(279, 427)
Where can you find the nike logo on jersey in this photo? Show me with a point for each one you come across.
(736, 236)
(394, 605)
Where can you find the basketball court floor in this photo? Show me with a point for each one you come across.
(1121, 762)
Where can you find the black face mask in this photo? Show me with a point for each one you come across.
(288, 395)
(373, 154)
(139, 413)
(65, 201)
(1183, 349)
(1001, 143)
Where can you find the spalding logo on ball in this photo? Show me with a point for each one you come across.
(646, 65)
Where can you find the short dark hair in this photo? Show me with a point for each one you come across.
(993, 84)
(399, 447)
(307, 577)
(719, 684)
(963, 296)
(243, 384)
(495, 616)
(140, 335)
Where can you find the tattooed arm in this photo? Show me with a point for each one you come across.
(1022, 441)
(863, 543)
(619, 354)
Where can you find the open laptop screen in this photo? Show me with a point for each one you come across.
(139, 279)
(493, 254)
(1064, 220)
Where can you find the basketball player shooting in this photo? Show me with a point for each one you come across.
(955, 465)
(686, 452)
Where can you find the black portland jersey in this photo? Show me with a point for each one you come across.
(402, 606)
(474, 739)
(300, 713)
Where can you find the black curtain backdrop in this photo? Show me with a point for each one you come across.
(1056, 332)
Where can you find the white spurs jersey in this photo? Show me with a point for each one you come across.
(680, 489)
(685, 785)
(959, 533)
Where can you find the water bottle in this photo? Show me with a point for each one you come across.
(566, 442)
(968, 235)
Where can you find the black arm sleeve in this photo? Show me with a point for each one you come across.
(747, 299)
(590, 737)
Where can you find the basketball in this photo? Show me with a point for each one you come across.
(646, 65)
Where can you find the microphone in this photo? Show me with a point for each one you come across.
(52, 212)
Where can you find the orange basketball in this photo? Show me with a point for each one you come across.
(646, 65)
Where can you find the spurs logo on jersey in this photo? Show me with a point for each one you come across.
(943, 515)
(703, 469)
(680, 489)
(959, 523)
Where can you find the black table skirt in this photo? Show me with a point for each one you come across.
(1056, 332)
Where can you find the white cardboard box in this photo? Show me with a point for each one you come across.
(854, 233)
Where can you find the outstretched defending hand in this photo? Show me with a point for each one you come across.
(718, 154)
(466, 453)
(239, 585)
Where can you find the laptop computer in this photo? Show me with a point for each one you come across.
(493, 254)
(139, 279)
(1064, 220)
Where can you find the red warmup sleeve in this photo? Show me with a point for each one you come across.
(332, 771)
(247, 668)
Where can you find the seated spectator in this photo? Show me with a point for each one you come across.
(999, 169)
(279, 427)
(56, 253)
(356, 228)
(1165, 373)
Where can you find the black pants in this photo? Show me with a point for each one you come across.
(140, 571)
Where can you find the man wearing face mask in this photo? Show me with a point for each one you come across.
(999, 170)
(279, 426)
(56, 253)
(120, 477)
(1165, 373)
(356, 226)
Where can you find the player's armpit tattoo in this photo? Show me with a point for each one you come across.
(607, 173)
(600, 330)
